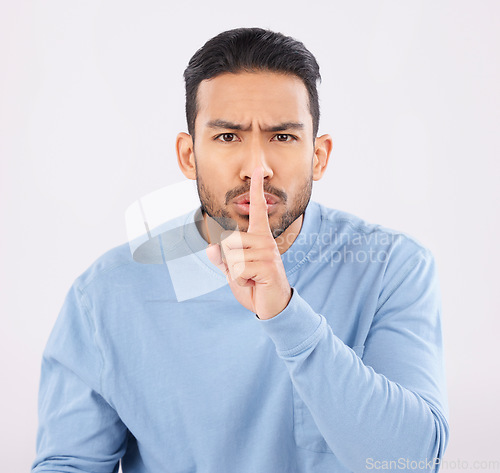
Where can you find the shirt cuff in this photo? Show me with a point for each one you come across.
(296, 327)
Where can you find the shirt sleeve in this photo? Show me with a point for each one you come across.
(78, 430)
(389, 406)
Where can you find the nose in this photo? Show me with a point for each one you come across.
(255, 155)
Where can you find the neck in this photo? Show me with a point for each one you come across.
(210, 230)
(285, 240)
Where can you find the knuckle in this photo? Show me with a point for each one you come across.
(238, 268)
(241, 282)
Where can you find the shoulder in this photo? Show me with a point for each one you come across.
(344, 229)
(116, 260)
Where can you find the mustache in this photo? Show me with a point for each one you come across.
(230, 195)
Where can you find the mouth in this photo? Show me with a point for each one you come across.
(242, 203)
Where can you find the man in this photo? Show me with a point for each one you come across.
(322, 353)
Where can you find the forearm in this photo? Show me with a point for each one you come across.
(361, 414)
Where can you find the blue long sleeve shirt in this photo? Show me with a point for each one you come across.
(146, 366)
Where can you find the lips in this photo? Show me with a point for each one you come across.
(245, 199)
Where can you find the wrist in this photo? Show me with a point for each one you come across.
(286, 305)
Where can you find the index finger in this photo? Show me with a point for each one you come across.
(258, 219)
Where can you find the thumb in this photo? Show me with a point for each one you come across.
(214, 255)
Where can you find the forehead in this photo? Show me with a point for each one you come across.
(243, 97)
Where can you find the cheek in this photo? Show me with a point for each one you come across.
(298, 184)
(213, 184)
(295, 175)
(217, 165)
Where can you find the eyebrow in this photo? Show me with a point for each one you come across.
(217, 124)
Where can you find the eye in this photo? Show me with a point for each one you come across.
(283, 137)
(226, 137)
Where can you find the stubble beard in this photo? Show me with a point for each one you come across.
(223, 218)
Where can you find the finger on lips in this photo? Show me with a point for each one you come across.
(258, 219)
(240, 252)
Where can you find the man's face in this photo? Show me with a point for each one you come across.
(247, 120)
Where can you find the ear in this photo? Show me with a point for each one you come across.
(185, 155)
(322, 149)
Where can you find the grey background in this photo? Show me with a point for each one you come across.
(91, 99)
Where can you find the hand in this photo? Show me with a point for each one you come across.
(252, 261)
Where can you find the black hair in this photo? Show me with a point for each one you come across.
(251, 49)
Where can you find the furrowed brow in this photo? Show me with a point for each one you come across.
(224, 124)
(285, 126)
